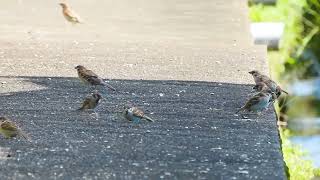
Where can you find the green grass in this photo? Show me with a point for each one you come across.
(299, 168)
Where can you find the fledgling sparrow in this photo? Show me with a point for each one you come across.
(258, 102)
(9, 129)
(260, 86)
(135, 114)
(69, 14)
(260, 78)
(89, 77)
(91, 101)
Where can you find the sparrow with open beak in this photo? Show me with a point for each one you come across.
(9, 129)
(89, 77)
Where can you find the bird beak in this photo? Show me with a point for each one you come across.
(250, 72)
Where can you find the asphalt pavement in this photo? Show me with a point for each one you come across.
(185, 63)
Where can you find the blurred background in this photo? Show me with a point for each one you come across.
(290, 28)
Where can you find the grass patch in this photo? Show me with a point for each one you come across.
(299, 168)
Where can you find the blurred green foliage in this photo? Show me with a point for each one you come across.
(301, 40)
(299, 168)
(297, 59)
(301, 37)
(261, 12)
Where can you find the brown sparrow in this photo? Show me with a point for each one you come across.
(9, 129)
(91, 101)
(258, 102)
(90, 78)
(135, 114)
(260, 78)
(69, 14)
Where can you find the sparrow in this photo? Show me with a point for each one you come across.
(135, 114)
(69, 14)
(258, 78)
(258, 102)
(91, 101)
(260, 86)
(9, 129)
(90, 78)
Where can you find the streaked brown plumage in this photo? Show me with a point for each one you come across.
(135, 114)
(69, 14)
(89, 77)
(91, 101)
(260, 78)
(9, 129)
(258, 102)
(260, 86)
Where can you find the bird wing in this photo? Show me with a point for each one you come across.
(90, 73)
(72, 15)
(85, 103)
(95, 80)
(254, 100)
(271, 84)
(24, 135)
(264, 78)
(137, 112)
(7, 125)
(91, 77)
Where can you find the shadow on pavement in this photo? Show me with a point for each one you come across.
(196, 133)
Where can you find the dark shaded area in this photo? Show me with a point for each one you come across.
(196, 134)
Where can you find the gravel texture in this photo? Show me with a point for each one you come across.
(185, 62)
(196, 134)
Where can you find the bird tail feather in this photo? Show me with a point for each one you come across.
(241, 109)
(24, 135)
(148, 118)
(109, 86)
(80, 109)
(284, 91)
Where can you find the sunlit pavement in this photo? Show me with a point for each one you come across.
(185, 63)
